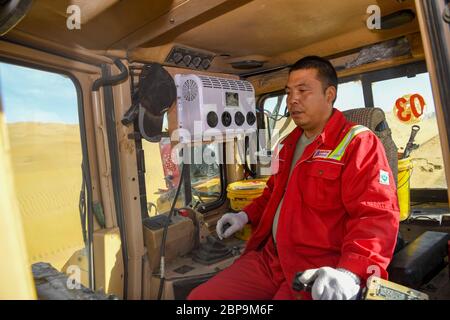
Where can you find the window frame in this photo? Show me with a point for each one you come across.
(406, 70)
(209, 206)
(261, 115)
(205, 208)
(367, 78)
(84, 152)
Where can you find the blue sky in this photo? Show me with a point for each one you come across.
(30, 95)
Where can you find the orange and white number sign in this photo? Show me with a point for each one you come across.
(409, 108)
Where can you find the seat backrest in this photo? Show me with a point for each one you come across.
(375, 120)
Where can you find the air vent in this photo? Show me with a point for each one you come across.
(397, 19)
(216, 83)
(190, 90)
(247, 64)
(226, 84)
(206, 82)
(226, 119)
(248, 86)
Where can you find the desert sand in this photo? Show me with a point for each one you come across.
(154, 173)
(427, 159)
(46, 160)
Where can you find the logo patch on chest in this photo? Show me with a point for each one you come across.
(321, 153)
(384, 177)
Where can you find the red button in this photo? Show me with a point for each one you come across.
(183, 213)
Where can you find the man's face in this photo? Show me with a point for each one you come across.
(308, 103)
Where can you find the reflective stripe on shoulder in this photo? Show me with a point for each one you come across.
(338, 153)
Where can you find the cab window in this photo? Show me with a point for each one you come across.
(408, 101)
(41, 111)
(202, 188)
(349, 96)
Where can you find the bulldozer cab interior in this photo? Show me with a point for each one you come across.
(131, 127)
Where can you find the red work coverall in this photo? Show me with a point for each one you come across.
(340, 208)
(335, 213)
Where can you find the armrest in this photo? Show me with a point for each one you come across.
(414, 263)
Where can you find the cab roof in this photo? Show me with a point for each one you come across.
(259, 35)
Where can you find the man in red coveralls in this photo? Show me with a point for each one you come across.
(331, 210)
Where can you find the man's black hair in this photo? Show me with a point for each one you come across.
(325, 70)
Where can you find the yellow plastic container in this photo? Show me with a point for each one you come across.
(242, 193)
(404, 176)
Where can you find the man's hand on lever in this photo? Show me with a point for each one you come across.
(234, 221)
(331, 284)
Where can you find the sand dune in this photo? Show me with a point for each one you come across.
(401, 132)
(46, 161)
(428, 164)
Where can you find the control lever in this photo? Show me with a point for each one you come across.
(297, 285)
(225, 227)
(376, 289)
(410, 146)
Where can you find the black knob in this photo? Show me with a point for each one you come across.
(177, 57)
(187, 60)
(226, 119)
(239, 118)
(225, 227)
(206, 63)
(299, 286)
(212, 119)
(251, 118)
(196, 61)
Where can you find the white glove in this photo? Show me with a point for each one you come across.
(236, 220)
(332, 284)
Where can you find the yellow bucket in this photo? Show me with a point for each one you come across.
(404, 175)
(242, 193)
